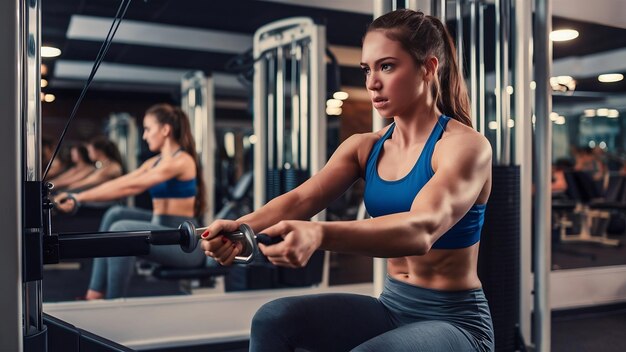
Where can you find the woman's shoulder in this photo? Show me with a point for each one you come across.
(462, 141)
(457, 131)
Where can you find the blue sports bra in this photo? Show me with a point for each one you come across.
(388, 197)
(174, 188)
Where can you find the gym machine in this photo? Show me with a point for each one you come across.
(289, 120)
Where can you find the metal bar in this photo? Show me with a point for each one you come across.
(523, 152)
(481, 70)
(505, 156)
(473, 64)
(498, 73)
(543, 140)
(296, 57)
(30, 38)
(305, 51)
(458, 9)
(270, 118)
(440, 10)
(261, 106)
(381, 7)
(280, 107)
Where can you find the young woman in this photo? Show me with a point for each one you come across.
(428, 177)
(174, 180)
(81, 168)
(107, 161)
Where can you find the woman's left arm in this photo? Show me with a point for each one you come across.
(461, 174)
(135, 182)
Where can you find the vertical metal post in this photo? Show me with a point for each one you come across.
(262, 102)
(458, 10)
(30, 37)
(473, 81)
(198, 104)
(523, 151)
(439, 9)
(280, 106)
(543, 142)
(296, 59)
(305, 120)
(11, 185)
(503, 150)
(482, 104)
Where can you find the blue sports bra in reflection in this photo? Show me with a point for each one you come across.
(389, 197)
(174, 188)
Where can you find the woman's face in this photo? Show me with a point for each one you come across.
(154, 133)
(392, 78)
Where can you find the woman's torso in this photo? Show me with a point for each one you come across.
(443, 269)
(181, 204)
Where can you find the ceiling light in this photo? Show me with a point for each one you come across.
(333, 110)
(590, 113)
(340, 95)
(533, 85)
(50, 51)
(560, 120)
(49, 98)
(602, 112)
(509, 89)
(44, 83)
(511, 123)
(334, 103)
(44, 69)
(612, 114)
(610, 77)
(554, 116)
(493, 125)
(562, 83)
(253, 139)
(561, 35)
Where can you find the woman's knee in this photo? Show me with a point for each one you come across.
(111, 216)
(277, 314)
(127, 225)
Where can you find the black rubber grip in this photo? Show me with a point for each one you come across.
(267, 240)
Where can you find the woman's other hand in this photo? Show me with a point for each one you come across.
(301, 240)
(64, 202)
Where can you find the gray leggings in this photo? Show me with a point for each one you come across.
(112, 275)
(404, 318)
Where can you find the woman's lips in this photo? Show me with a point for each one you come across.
(379, 103)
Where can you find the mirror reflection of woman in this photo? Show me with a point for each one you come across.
(81, 168)
(107, 162)
(178, 195)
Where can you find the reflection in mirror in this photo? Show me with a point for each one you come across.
(589, 148)
(147, 64)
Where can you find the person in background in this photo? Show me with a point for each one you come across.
(174, 180)
(107, 162)
(81, 168)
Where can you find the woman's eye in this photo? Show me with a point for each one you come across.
(366, 70)
(386, 67)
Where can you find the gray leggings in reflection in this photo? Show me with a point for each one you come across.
(403, 318)
(112, 275)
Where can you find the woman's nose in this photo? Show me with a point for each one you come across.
(372, 82)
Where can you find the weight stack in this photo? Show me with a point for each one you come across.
(273, 184)
(498, 259)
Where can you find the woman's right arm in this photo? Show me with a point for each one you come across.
(68, 179)
(99, 177)
(308, 199)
